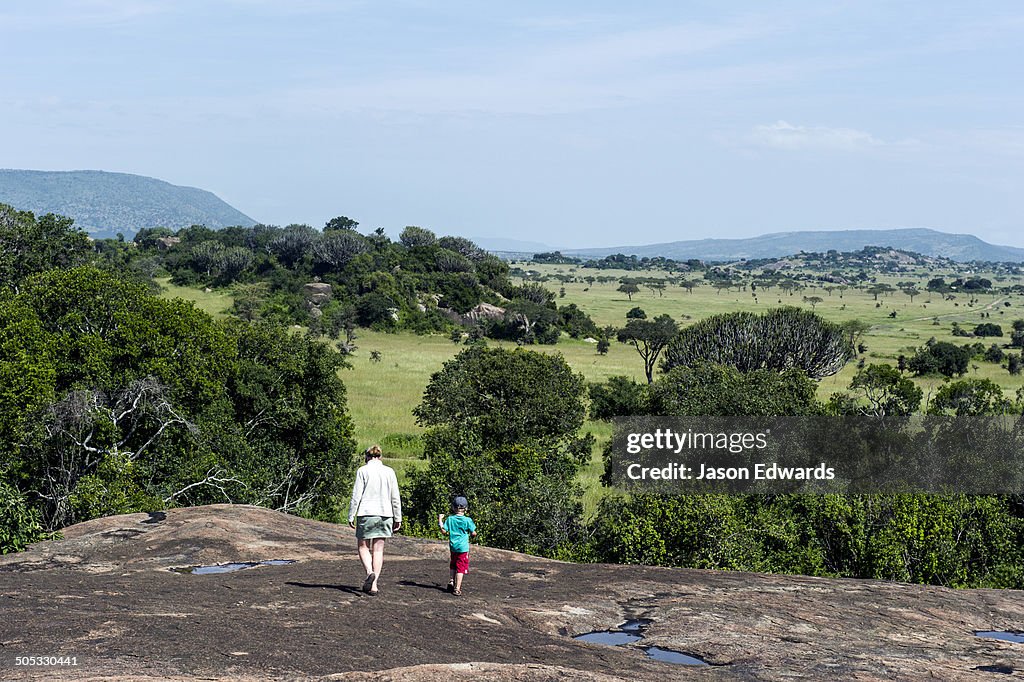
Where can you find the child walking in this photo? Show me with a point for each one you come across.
(459, 528)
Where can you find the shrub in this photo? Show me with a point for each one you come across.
(940, 357)
(617, 397)
(988, 329)
(19, 523)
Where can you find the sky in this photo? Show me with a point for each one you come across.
(573, 124)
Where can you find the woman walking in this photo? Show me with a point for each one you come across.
(375, 512)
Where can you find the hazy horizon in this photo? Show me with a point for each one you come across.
(583, 123)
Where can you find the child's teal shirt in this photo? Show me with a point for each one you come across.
(459, 528)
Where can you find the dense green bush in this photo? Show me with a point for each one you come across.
(502, 430)
(116, 400)
(619, 396)
(780, 339)
(957, 541)
(19, 521)
(720, 390)
(988, 329)
(941, 358)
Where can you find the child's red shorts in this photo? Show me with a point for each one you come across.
(460, 562)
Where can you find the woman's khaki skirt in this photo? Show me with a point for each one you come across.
(370, 527)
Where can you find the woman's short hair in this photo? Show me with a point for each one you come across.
(373, 451)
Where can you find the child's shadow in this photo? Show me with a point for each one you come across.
(413, 583)
(340, 588)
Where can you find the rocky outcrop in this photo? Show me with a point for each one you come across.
(483, 311)
(317, 293)
(167, 242)
(105, 594)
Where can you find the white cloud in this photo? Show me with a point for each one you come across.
(786, 136)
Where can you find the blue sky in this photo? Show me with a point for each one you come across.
(574, 123)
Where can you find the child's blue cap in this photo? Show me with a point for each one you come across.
(462, 502)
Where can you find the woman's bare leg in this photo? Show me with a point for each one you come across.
(378, 560)
(363, 547)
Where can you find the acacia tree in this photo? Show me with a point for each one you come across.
(790, 286)
(883, 391)
(883, 289)
(629, 288)
(855, 329)
(649, 337)
(723, 285)
(656, 286)
(780, 339)
(689, 284)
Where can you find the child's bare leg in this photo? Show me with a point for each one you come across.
(458, 581)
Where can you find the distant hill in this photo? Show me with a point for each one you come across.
(505, 245)
(958, 247)
(107, 203)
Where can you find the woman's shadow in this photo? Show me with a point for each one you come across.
(359, 590)
(340, 588)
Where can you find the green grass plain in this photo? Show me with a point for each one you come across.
(382, 394)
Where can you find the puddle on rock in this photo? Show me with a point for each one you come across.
(669, 656)
(1005, 635)
(1001, 669)
(609, 637)
(632, 631)
(230, 568)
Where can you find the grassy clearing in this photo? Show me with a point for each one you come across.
(216, 303)
(383, 394)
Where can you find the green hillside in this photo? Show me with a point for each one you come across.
(107, 203)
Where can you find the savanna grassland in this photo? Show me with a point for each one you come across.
(116, 400)
(382, 392)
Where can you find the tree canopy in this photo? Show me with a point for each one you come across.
(781, 339)
(117, 401)
(649, 338)
(503, 431)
